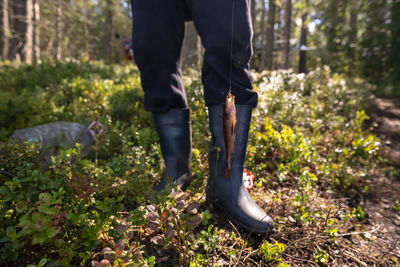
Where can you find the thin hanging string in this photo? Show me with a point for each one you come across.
(231, 56)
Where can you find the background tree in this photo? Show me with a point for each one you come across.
(303, 39)
(262, 34)
(108, 30)
(28, 47)
(269, 53)
(192, 49)
(36, 30)
(394, 57)
(19, 29)
(353, 23)
(5, 29)
(288, 31)
(375, 41)
(356, 37)
(58, 33)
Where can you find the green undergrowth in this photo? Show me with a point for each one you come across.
(307, 138)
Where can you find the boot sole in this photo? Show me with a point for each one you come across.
(215, 204)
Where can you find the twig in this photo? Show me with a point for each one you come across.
(394, 254)
(349, 254)
(339, 235)
(390, 248)
(241, 249)
(254, 262)
(326, 219)
(359, 233)
(300, 259)
(237, 232)
(248, 255)
(240, 255)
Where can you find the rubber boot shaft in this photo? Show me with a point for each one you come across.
(230, 195)
(174, 130)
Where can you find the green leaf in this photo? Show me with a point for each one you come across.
(51, 232)
(20, 206)
(39, 238)
(151, 260)
(42, 262)
(25, 222)
(48, 210)
(10, 230)
(59, 243)
(46, 197)
(39, 222)
(73, 218)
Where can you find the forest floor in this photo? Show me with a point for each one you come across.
(375, 241)
(326, 174)
(382, 203)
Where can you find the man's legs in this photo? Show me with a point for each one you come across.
(158, 29)
(213, 22)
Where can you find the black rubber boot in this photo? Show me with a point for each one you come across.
(175, 132)
(230, 195)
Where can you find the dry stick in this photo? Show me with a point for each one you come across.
(349, 254)
(394, 254)
(359, 233)
(240, 237)
(248, 255)
(254, 262)
(339, 235)
(326, 219)
(307, 238)
(240, 255)
(390, 248)
(301, 259)
(227, 256)
(345, 252)
(234, 227)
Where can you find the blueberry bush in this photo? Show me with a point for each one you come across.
(308, 149)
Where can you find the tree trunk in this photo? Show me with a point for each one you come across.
(278, 21)
(262, 27)
(200, 51)
(270, 35)
(335, 17)
(395, 40)
(108, 31)
(331, 31)
(5, 30)
(87, 46)
(253, 13)
(303, 41)
(190, 49)
(19, 29)
(58, 30)
(36, 31)
(278, 34)
(28, 48)
(288, 30)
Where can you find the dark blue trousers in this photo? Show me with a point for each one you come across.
(158, 31)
